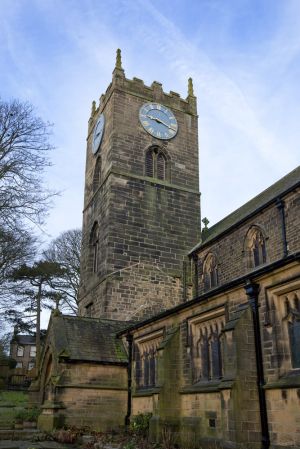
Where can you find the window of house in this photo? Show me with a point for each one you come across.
(88, 310)
(30, 365)
(210, 272)
(19, 365)
(156, 164)
(255, 247)
(20, 351)
(94, 246)
(32, 351)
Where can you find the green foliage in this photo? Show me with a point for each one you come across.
(17, 398)
(140, 424)
(27, 414)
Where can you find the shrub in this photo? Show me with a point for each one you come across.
(140, 424)
(28, 414)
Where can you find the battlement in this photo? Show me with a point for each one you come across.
(137, 87)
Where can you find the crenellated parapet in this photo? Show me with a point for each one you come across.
(137, 87)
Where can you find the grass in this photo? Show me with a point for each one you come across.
(11, 403)
(14, 398)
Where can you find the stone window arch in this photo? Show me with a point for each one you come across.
(94, 246)
(210, 271)
(157, 164)
(97, 174)
(255, 247)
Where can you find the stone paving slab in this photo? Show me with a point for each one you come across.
(10, 444)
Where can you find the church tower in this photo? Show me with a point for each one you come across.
(141, 207)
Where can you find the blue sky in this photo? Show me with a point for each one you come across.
(243, 55)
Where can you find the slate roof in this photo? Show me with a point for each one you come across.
(24, 339)
(88, 339)
(285, 184)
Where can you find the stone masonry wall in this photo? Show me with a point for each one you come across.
(229, 249)
(141, 219)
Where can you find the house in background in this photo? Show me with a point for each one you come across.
(23, 350)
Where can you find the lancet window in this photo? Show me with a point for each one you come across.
(97, 174)
(145, 359)
(94, 246)
(255, 247)
(292, 306)
(284, 316)
(210, 272)
(206, 348)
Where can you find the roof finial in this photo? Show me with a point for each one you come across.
(118, 60)
(190, 88)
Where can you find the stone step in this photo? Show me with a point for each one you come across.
(12, 434)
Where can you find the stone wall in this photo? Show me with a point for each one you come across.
(230, 248)
(224, 410)
(141, 220)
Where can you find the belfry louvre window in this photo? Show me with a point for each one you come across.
(156, 164)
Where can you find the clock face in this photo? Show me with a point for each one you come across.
(98, 133)
(158, 121)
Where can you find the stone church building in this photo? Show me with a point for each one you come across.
(200, 328)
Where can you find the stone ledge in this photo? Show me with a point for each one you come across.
(92, 387)
(285, 382)
(146, 392)
(208, 387)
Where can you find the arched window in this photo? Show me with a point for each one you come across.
(207, 361)
(255, 247)
(156, 164)
(94, 244)
(210, 272)
(97, 174)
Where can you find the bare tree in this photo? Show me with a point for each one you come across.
(24, 148)
(65, 251)
(24, 151)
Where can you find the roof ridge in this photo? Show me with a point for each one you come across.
(251, 206)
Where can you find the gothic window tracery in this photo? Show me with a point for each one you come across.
(206, 349)
(145, 359)
(156, 164)
(285, 319)
(255, 247)
(210, 272)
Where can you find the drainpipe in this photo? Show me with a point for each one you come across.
(129, 339)
(252, 291)
(280, 207)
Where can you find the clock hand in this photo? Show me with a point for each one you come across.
(158, 120)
